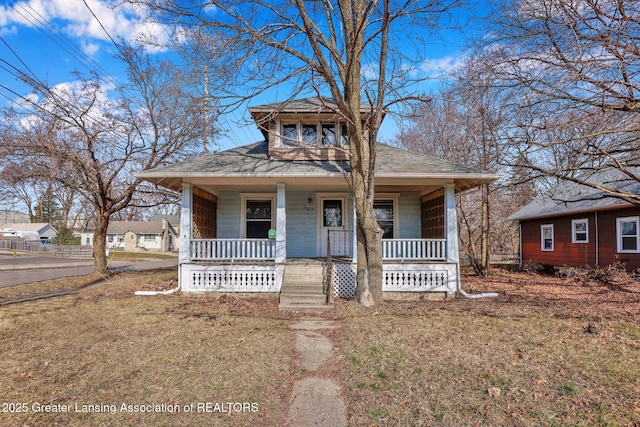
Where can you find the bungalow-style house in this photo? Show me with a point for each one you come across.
(581, 227)
(136, 236)
(41, 231)
(263, 217)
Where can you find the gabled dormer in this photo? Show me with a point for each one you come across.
(303, 129)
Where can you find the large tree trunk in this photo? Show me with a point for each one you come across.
(100, 244)
(369, 235)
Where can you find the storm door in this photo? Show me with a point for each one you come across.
(332, 223)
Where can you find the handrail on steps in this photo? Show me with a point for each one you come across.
(329, 271)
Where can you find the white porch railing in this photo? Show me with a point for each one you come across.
(414, 249)
(237, 249)
(341, 242)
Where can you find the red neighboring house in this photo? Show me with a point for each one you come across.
(581, 227)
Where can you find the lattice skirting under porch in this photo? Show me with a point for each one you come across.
(399, 278)
(230, 278)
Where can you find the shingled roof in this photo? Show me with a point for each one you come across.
(138, 227)
(316, 104)
(252, 161)
(569, 197)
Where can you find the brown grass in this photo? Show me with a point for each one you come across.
(522, 359)
(51, 285)
(105, 346)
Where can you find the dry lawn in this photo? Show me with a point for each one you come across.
(522, 359)
(106, 347)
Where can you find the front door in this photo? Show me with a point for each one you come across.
(332, 223)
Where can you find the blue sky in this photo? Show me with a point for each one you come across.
(49, 39)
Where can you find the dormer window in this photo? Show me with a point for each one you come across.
(328, 134)
(344, 135)
(310, 134)
(289, 134)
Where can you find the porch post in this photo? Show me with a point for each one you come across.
(451, 223)
(184, 254)
(281, 225)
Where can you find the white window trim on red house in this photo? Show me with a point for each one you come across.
(544, 227)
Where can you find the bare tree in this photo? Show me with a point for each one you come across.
(91, 139)
(575, 66)
(465, 122)
(348, 48)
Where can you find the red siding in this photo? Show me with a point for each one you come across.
(578, 254)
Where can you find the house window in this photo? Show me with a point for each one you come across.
(290, 134)
(384, 212)
(328, 134)
(344, 135)
(580, 230)
(149, 238)
(257, 218)
(546, 232)
(627, 234)
(110, 239)
(310, 134)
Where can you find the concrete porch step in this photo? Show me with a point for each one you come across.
(302, 288)
(288, 298)
(305, 308)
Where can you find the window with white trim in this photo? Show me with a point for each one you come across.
(258, 218)
(384, 211)
(627, 234)
(580, 230)
(289, 134)
(310, 134)
(329, 135)
(546, 237)
(326, 134)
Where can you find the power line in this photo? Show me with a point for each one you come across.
(62, 41)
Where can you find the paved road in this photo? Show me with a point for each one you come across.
(25, 269)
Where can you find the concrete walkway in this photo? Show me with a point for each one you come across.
(316, 400)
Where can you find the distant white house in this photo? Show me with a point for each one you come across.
(86, 237)
(133, 236)
(31, 231)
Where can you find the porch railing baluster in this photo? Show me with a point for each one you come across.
(414, 249)
(227, 249)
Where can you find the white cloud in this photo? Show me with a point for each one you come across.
(369, 71)
(442, 66)
(76, 20)
(90, 49)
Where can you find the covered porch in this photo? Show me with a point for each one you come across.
(421, 257)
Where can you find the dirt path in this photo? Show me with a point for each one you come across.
(316, 399)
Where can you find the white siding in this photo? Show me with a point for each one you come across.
(229, 215)
(302, 224)
(302, 219)
(409, 212)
